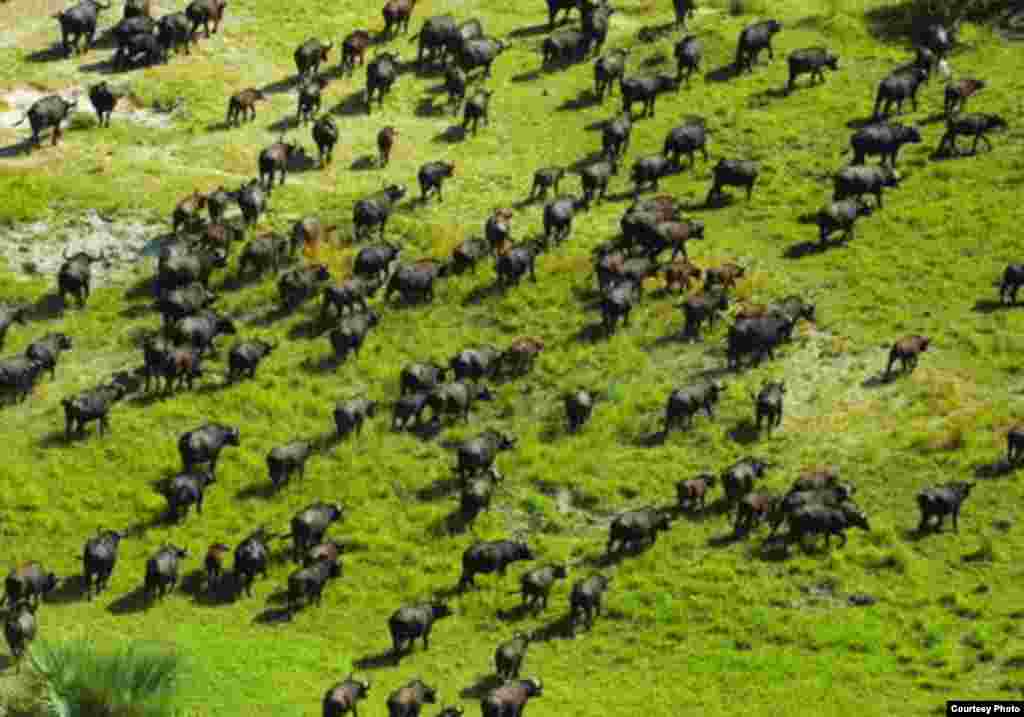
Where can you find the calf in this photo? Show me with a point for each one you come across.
(578, 407)
(810, 61)
(683, 403)
(508, 658)
(636, 527)
(733, 173)
(484, 557)
(203, 12)
(19, 629)
(351, 332)
(518, 359)
(353, 48)
(840, 216)
(397, 14)
(498, 228)
(28, 582)
(691, 494)
(609, 69)
(643, 89)
(535, 585)
(816, 519)
(310, 524)
(162, 571)
(956, 94)
(204, 444)
(753, 509)
(385, 142)
(700, 308)
(585, 600)
(896, 88)
(679, 274)
(969, 125)
(75, 276)
(686, 139)
(856, 181)
(431, 178)
(477, 454)
(99, 556)
(412, 622)
(940, 501)
(753, 39)
(739, 478)
(883, 139)
(251, 559)
(344, 696)
(907, 350)
(275, 159)
(242, 106)
(724, 276)
(284, 460)
(511, 698)
(768, 403)
(246, 356)
(92, 405)
(185, 490)
(409, 700)
(375, 210)
(477, 107)
(47, 351)
(544, 179)
(688, 53)
(350, 415)
(214, 565)
(306, 585)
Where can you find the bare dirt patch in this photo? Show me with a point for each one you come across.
(16, 102)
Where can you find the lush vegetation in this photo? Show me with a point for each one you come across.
(694, 623)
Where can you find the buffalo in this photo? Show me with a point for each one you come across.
(200, 331)
(185, 490)
(300, 284)
(510, 699)
(733, 173)
(310, 524)
(768, 403)
(477, 108)
(481, 52)
(898, 87)
(810, 61)
(19, 629)
(92, 405)
(477, 454)
(350, 415)
(47, 351)
(245, 356)
(344, 696)
(686, 139)
(104, 97)
(691, 494)
(858, 180)
(275, 159)
(407, 701)
(350, 333)
(348, 296)
(956, 94)
(307, 584)
(816, 519)
(290, 458)
(1013, 279)
(645, 90)
(374, 262)
(381, 73)
(77, 22)
(484, 557)
(753, 39)
(840, 216)
(940, 501)
(969, 125)
(415, 621)
(688, 53)
(309, 55)
(883, 139)
(29, 582)
(203, 12)
(47, 112)
(535, 585)
(242, 106)
(578, 407)
(162, 571)
(421, 377)
(18, 376)
(325, 135)
(758, 336)
(508, 658)
(636, 527)
(609, 69)
(203, 445)
(739, 478)
(251, 559)
(99, 556)
(431, 178)
(906, 351)
(374, 211)
(585, 599)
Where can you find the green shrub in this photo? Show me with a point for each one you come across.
(137, 680)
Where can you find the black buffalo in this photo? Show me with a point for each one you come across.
(457, 398)
(688, 53)
(817, 519)
(421, 377)
(381, 73)
(19, 629)
(414, 621)
(477, 108)
(307, 584)
(609, 69)
(29, 582)
(578, 407)
(162, 571)
(643, 89)
(415, 282)
(290, 458)
(973, 125)
(477, 454)
(18, 376)
(535, 585)
(185, 490)
(857, 180)
(810, 61)
(484, 557)
(686, 139)
(310, 524)
(200, 331)
(758, 337)
(883, 139)
(246, 356)
(683, 403)
(510, 699)
(739, 478)
(768, 403)
(99, 556)
(344, 697)
(480, 52)
(898, 87)
(350, 415)
(48, 350)
(635, 527)
(615, 134)
(840, 216)
(508, 658)
(203, 445)
(300, 284)
(350, 333)
(77, 22)
(91, 405)
(585, 599)
(374, 211)
(753, 39)
(940, 501)
(733, 173)
(251, 559)
(407, 701)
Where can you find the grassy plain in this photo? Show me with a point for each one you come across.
(693, 624)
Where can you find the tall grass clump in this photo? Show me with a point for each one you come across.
(137, 680)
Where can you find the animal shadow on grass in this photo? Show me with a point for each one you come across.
(69, 590)
(308, 329)
(271, 316)
(388, 658)
(933, 118)
(325, 364)
(264, 490)
(591, 333)
(285, 124)
(996, 469)
(724, 540)
(452, 135)
(18, 148)
(773, 548)
(361, 164)
(585, 99)
(765, 97)
(721, 74)
(455, 523)
(221, 126)
(438, 489)
(530, 30)
(562, 628)
(103, 67)
(273, 616)
(129, 603)
(285, 85)
(745, 432)
(47, 306)
(879, 379)
(425, 107)
(528, 76)
(583, 162)
(653, 33)
(194, 585)
(515, 614)
(5, 662)
(479, 689)
(59, 439)
(483, 292)
(809, 248)
(53, 53)
(988, 306)
(354, 104)
(862, 122)
(655, 60)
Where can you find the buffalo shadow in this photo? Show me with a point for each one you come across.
(996, 469)
(656, 60)
(809, 248)
(531, 30)
(766, 97)
(862, 122)
(724, 540)
(353, 104)
(563, 628)
(221, 126)
(363, 163)
(7, 661)
(286, 85)
(880, 379)
(596, 125)
(455, 523)
(285, 124)
(745, 432)
(273, 616)
(989, 306)
(425, 107)
(515, 614)
(144, 288)
(53, 53)
(529, 76)
(652, 33)
(933, 118)
(722, 74)
(438, 489)
(130, 603)
(309, 329)
(584, 100)
(70, 589)
(483, 292)
(479, 689)
(453, 135)
(264, 490)
(58, 438)
(18, 148)
(194, 585)
(388, 658)
(325, 364)
(106, 67)
(48, 306)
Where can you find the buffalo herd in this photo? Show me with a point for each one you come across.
(817, 504)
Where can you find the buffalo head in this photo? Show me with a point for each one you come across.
(534, 687)
(394, 192)
(439, 610)
(232, 436)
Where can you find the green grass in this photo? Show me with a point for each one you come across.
(690, 624)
